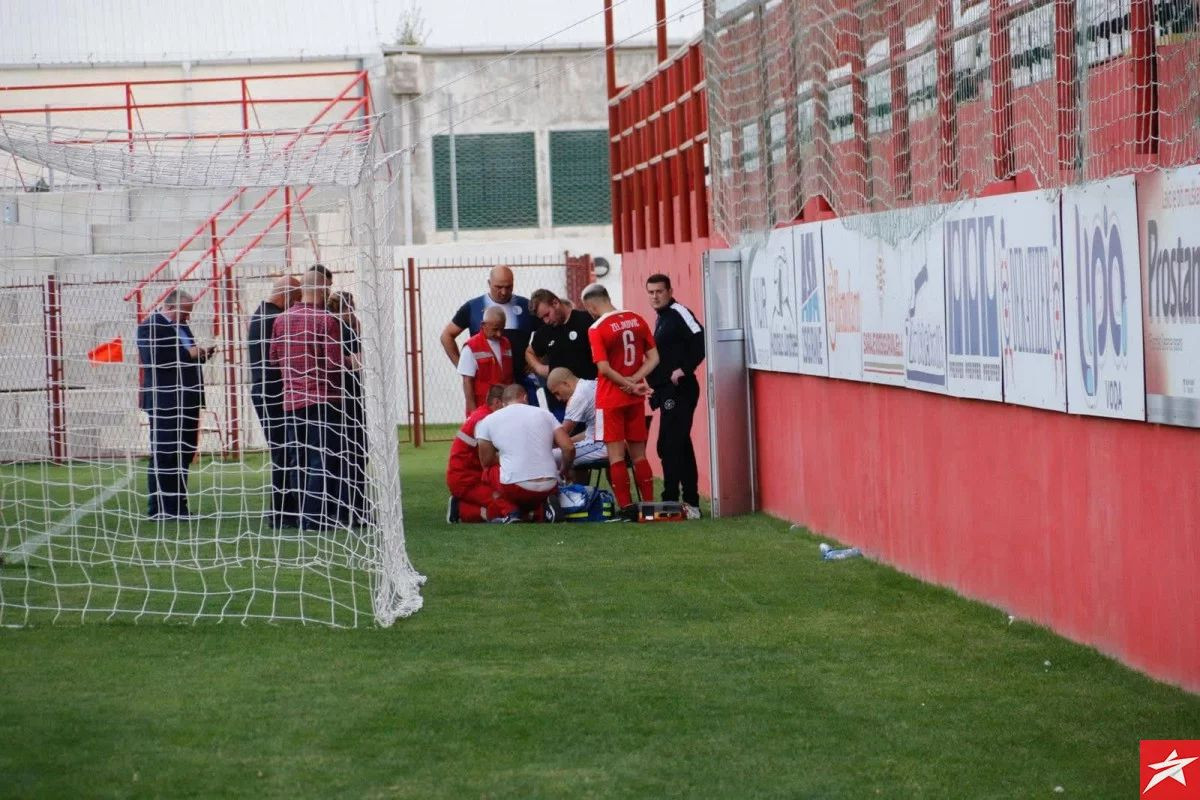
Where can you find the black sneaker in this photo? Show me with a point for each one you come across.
(452, 510)
(551, 512)
(506, 520)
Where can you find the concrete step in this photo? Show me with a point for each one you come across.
(161, 204)
(149, 236)
(135, 266)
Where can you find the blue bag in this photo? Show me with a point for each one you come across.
(580, 503)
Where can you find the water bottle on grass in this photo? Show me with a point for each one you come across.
(829, 553)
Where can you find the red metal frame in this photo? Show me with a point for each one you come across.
(416, 395)
(362, 102)
(657, 133)
(55, 383)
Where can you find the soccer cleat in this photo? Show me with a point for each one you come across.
(452, 510)
(551, 511)
(507, 519)
(692, 512)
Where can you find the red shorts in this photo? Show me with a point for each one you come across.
(622, 424)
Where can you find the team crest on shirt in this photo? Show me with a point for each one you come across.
(573, 335)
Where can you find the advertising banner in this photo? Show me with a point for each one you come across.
(1169, 221)
(1103, 300)
(772, 299)
(882, 302)
(810, 279)
(925, 313)
(843, 299)
(971, 238)
(1032, 335)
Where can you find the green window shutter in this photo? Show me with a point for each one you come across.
(497, 180)
(579, 178)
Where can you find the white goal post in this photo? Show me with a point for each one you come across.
(90, 526)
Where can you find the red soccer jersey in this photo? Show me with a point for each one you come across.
(622, 338)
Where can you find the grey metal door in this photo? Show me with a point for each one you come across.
(730, 429)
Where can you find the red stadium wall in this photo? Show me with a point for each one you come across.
(682, 263)
(1086, 525)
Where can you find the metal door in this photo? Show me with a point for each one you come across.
(730, 413)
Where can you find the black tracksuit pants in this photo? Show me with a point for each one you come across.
(680, 480)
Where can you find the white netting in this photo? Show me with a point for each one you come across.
(330, 153)
(875, 106)
(80, 268)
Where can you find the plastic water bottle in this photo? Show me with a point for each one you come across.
(830, 554)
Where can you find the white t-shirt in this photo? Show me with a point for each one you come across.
(466, 358)
(524, 437)
(581, 409)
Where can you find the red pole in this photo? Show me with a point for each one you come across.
(287, 228)
(1004, 166)
(414, 355)
(129, 113)
(233, 446)
(245, 117)
(700, 125)
(1064, 79)
(948, 129)
(55, 400)
(1142, 49)
(902, 155)
(610, 54)
(660, 17)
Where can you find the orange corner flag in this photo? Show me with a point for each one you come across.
(108, 353)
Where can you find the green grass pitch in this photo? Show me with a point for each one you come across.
(714, 659)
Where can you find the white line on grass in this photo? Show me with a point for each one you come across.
(33, 543)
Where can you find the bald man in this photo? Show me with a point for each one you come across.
(578, 397)
(266, 393)
(519, 325)
(486, 360)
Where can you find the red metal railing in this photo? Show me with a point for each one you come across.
(129, 104)
(361, 105)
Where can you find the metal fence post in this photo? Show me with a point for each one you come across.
(414, 355)
(453, 170)
(55, 391)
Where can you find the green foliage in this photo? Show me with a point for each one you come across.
(710, 659)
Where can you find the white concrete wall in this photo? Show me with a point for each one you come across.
(538, 91)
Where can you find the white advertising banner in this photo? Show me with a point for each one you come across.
(814, 351)
(882, 301)
(1169, 221)
(843, 299)
(971, 238)
(772, 299)
(1103, 297)
(1032, 338)
(925, 315)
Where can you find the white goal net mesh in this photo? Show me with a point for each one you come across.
(126, 489)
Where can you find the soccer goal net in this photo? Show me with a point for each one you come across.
(236, 462)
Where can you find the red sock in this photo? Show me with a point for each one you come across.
(645, 479)
(618, 476)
